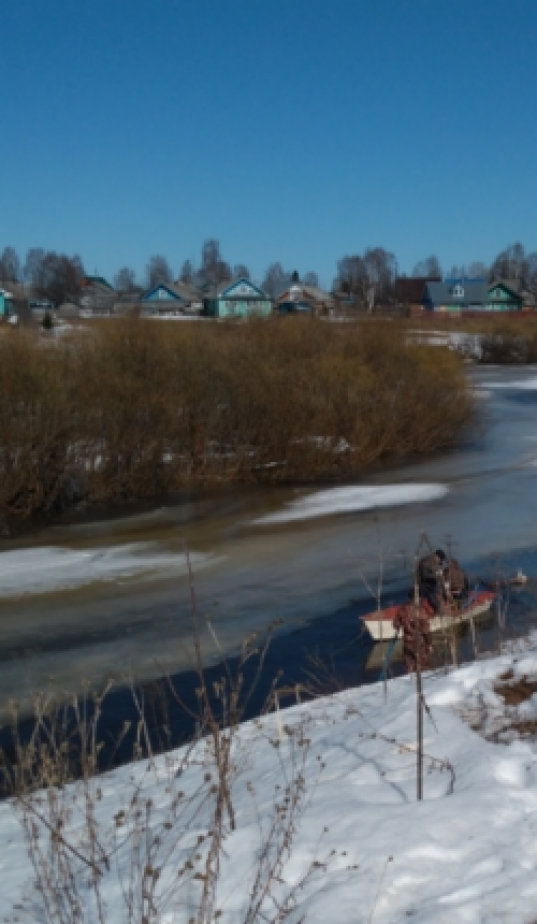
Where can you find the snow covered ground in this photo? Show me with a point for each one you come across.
(353, 499)
(467, 854)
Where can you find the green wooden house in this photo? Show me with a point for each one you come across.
(239, 298)
(456, 295)
(504, 297)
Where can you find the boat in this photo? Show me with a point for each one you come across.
(380, 623)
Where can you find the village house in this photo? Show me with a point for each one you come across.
(238, 298)
(97, 296)
(299, 298)
(171, 298)
(6, 303)
(456, 295)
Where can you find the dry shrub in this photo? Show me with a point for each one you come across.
(154, 840)
(37, 428)
(510, 343)
(135, 408)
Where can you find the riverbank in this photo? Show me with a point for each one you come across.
(327, 792)
(135, 410)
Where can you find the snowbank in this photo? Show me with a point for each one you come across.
(41, 570)
(464, 855)
(355, 499)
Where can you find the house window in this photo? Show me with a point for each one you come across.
(458, 291)
(162, 293)
(498, 293)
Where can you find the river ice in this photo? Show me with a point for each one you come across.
(354, 499)
(41, 570)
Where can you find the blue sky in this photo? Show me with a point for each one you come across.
(291, 130)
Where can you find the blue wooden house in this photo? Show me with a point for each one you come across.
(170, 297)
(239, 298)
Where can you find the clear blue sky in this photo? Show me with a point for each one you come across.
(291, 130)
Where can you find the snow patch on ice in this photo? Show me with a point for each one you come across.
(529, 384)
(52, 568)
(355, 500)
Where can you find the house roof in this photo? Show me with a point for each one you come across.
(178, 291)
(309, 293)
(510, 285)
(228, 285)
(442, 293)
(98, 281)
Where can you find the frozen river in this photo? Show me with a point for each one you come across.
(111, 599)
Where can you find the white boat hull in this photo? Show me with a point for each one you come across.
(380, 625)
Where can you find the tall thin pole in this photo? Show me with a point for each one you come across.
(419, 693)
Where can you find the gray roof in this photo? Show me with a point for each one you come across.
(441, 293)
(186, 293)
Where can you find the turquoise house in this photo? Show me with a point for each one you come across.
(239, 298)
(6, 303)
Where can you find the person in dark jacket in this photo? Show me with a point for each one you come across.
(431, 579)
(455, 579)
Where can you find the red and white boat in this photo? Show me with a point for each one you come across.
(380, 623)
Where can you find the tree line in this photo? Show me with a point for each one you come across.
(364, 276)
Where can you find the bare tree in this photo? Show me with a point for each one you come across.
(478, 269)
(240, 270)
(59, 277)
(428, 268)
(311, 278)
(511, 263)
(187, 272)
(10, 268)
(531, 279)
(381, 268)
(158, 270)
(213, 268)
(276, 278)
(32, 263)
(374, 272)
(351, 276)
(125, 280)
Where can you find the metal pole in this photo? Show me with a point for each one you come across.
(419, 693)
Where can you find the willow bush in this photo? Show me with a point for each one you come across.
(135, 408)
